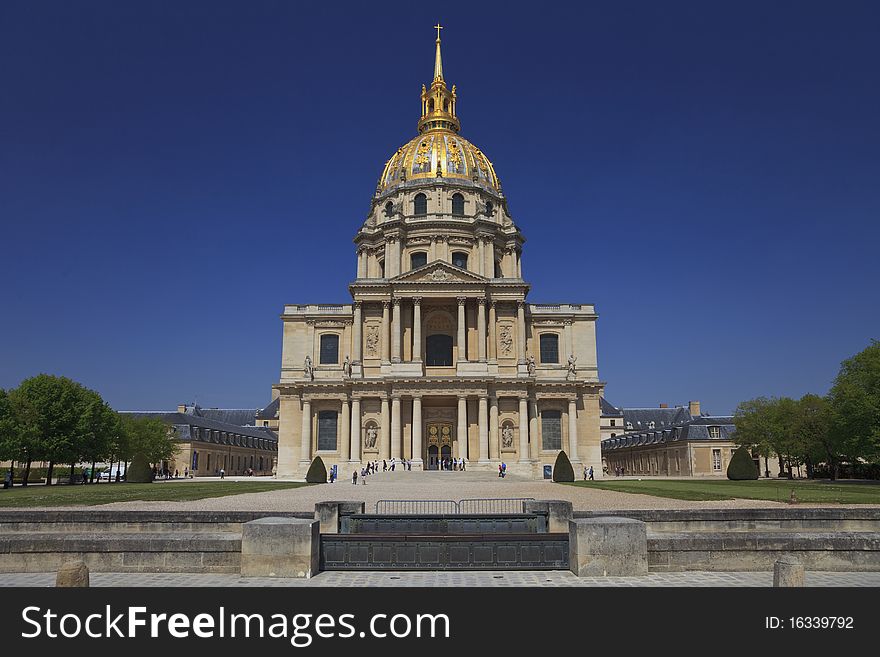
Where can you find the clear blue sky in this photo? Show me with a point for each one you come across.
(172, 173)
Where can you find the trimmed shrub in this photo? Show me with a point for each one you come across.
(139, 470)
(741, 466)
(317, 473)
(562, 470)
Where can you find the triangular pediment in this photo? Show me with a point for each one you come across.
(439, 272)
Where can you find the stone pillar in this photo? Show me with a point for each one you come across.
(356, 333)
(305, 450)
(386, 332)
(395, 427)
(481, 330)
(493, 339)
(558, 512)
(490, 257)
(417, 329)
(462, 344)
(494, 445)
(483, 420)
(395, 330)
(461, 435)
(533, 428)
(345, 430)
(280, 547)
(385, 447)
(523, 429)
(788, 571)
(521, 331)
(519, 264)
(607, 547)
(417, 430)
(481, 254)
(362, 264)
(572, 430)
(355, 433)
(569, 346)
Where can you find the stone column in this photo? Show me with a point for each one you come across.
(533, 428)
(385, 447)
(521, 331)
(483, 419)
(494, 445)
(345, 438)
(490, 257)
(417, 430)
(462, 347)
(523, 429)
(417, 329)
(395, 426)
(386, 332)
(493, 339)
(362, 264)
(356, 333)
(305, 450)
(395, 330)
(572, 430)
(355, 433)
(569, 346)
(481, 251)
(461, 435)
(481, 330)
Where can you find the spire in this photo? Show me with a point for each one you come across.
(438, 61)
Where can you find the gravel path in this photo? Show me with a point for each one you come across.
(433, 485)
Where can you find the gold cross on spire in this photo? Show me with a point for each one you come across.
(438, 27)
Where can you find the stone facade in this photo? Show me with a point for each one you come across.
(439, 355)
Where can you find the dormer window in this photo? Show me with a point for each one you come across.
(714, 432)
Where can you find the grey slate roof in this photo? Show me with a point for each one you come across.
(607, 409)
(641, 419)
(238, 416)
(188, 420)
(271, 411)
(696, 428)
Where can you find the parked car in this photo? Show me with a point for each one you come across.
(109, 474)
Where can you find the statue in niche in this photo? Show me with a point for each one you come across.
(572, 368)
(371, 437)
(507, 436)
(346, 367)
(531, 365)
(308, 370)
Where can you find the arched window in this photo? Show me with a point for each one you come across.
(549, 348)
(417, 260)
(326, 431)
(329, 349)
(489, 208)
(459, 259)
(431, 105)
(420, 204)
(439, 350)
(458, 205)
(389, 209)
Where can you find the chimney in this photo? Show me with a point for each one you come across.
(694, 408)
(664, 405)
(181, 408)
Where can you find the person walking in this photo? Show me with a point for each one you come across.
(384, 465)
(585, 473)
(354, 477)
(222, 473)
(186, 472)
(499, 470)
(591, 473)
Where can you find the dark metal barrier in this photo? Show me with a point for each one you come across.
(496, 505)
(416, 507)
(444, 524)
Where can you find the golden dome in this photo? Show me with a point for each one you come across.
(438, 151)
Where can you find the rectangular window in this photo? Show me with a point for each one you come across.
(326, 430)
(549, 348)
(613, 423)
(329, 349)
(716, 459)
(714, 432)
(551, 430)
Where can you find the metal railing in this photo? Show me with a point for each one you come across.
(437, 507)
(489, 505)
(415, 507)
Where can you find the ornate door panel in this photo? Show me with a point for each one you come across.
(439, 436)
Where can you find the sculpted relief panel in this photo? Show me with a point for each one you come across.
(505, 340)
(371, 342)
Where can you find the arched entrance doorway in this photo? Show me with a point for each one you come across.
(438, 436)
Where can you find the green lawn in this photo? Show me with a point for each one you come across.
(836, 492)
(175, 491)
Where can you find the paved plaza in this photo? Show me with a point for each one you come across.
(433, 485)
(471, 579)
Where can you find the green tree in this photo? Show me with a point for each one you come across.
(97, 426)
(562, 469)
(854, 402)
(144, 435)
(818, 443)
(317, 473)
(741, 466)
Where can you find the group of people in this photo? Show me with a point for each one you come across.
(502, 469)
(619, 471)
(588, 473)
(373, 467)
(452, 464)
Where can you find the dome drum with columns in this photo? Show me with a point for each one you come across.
(439, 355)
